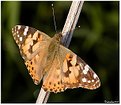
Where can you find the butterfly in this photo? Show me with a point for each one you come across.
(48, 60)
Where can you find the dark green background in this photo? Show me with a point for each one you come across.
(96, 42)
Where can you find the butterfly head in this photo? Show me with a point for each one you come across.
(58, 37)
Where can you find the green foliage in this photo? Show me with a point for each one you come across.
(96, 41)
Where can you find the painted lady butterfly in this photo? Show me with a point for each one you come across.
(45, 58)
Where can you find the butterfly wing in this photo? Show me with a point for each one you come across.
(33, 45)
(76, 73)
(52, 81)
(69, 71)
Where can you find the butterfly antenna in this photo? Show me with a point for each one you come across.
(54, 20)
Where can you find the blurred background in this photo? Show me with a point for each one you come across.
(96, 42)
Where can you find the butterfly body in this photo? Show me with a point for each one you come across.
(46, 58)
(54, 46)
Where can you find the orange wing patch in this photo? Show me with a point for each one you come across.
(71, 72)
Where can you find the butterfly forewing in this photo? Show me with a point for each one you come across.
(29, 40)
(33, 45)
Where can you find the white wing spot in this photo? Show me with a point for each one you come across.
(81, 65)
(26, 30)
(19, 46)
(18, 35)
(89, 81)
(84, 79)
(19, 27)
(86, 69)
(20, 38)
(95, 76)
(92, 80)
(23, 57)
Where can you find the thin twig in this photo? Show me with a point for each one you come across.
(42, 97)
(67, 32)
(71, 22)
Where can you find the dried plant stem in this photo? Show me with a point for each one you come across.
(43, 96)
(71, 21)
(67, 32)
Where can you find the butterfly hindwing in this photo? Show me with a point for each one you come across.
(52, 81)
